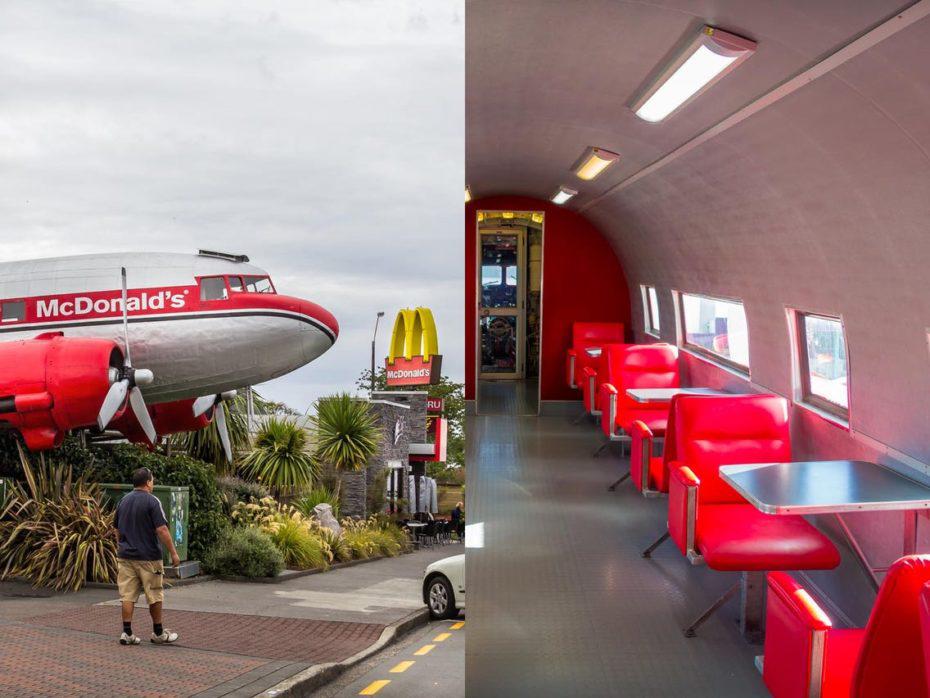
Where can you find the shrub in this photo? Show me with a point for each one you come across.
(244, 552)
(116, 463)
(56, 531)
(301, 549)
(346, 431)
(337, 544)
(318, 495)
(234, 490)
(279, 458)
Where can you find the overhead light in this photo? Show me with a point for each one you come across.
(467, 194)
(710, 56)
(594, 161)
(563, 195)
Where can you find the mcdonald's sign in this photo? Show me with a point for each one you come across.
(414, 357)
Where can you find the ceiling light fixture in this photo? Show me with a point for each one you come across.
(710, 56)
(467, 194)
(563, 195)
(594, 161)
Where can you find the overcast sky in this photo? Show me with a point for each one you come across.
(323, 138)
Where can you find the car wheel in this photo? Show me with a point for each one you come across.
(440, 599)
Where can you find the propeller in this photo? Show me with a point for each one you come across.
(204, 403)
(126, 381)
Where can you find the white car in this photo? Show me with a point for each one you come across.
(444, 587)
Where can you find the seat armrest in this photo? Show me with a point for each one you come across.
(607, 397)
(796, 631)
(640, 454)
(682, 507)
(570, 358)
(589, 389)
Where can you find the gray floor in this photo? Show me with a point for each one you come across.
(560, 603)
(508, 397)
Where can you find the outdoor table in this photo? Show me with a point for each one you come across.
(593, 352)
(651, 395)
(415, 527)
(822, 487)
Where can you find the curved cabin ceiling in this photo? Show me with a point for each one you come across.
(818, 201)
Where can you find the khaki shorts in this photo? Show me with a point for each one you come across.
(136, 576)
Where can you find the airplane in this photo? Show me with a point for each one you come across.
(147, 344)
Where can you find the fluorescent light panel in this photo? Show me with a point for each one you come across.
(593, 162)
(707, 59)
(563, 195)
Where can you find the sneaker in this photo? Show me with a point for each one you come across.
(125, 639)
(166, 637)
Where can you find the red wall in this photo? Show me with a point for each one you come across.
(582, 280)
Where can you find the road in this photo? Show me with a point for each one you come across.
(430, 661)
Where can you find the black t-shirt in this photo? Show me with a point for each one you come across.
(138, 514)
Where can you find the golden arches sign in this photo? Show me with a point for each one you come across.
(413, 357)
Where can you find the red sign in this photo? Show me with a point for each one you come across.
(434, 405)
(413, 371)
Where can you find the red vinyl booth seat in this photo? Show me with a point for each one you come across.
(628, 366)
(709, 518)
(584, 335)
(925, 628)
(593, 376)
(805, 656)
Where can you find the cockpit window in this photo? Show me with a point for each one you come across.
(258, 284)
(235, 284)
(213, 288)
(13, 311)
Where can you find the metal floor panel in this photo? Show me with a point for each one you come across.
(560, 603)
(508, 397)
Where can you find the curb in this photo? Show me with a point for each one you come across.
(309, 680)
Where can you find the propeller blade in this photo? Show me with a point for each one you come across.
(137, 402)
(114, 399)
(202, 404)
(219, 416)
(126, 316)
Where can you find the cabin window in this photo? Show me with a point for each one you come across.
(716, 327)
(235, 284)
(824, 367)
(13, 311)
(213, 288)
(651, 309)
(258, 284)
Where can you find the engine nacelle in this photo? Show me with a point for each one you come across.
(168, 418)
(52, 384)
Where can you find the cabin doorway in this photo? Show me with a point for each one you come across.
(509, 313)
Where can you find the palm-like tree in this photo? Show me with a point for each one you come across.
(346, 434)
(280, 458)
(204, 444)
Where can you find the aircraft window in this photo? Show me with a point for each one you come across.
(824, 368)
(258, 284)
(14, 311)
(651, 309)
(235, 283)
(213, 288)
(716, 327)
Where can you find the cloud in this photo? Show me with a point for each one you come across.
(325, 139)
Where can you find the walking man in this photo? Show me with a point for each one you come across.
(141, 524)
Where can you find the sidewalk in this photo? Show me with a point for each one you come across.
(237, 639)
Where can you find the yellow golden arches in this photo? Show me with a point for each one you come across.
(414, 334)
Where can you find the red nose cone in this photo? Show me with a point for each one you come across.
(320, 316)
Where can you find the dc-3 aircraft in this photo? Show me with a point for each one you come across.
(144, 344)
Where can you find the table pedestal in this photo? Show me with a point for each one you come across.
(752, 606)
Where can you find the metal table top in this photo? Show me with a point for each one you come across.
(593, 352)
(823, 487)
(666, 394)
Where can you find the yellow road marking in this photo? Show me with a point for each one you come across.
(374, 687)
(402, 667)
(425, 649)
(441, 637)
(458, 626)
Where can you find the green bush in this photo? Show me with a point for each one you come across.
(300, 548)
(244, 552)
(317, 495)
(234, 489)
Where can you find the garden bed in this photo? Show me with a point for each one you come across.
(294, 574)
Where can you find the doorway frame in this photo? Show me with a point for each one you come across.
(518, 312)
(477, 297)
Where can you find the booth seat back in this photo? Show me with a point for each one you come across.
(595, 334)
(891, 660)
(645, 366)
(925, 627)
(722, 430)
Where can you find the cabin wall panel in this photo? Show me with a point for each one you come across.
(582, 280)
